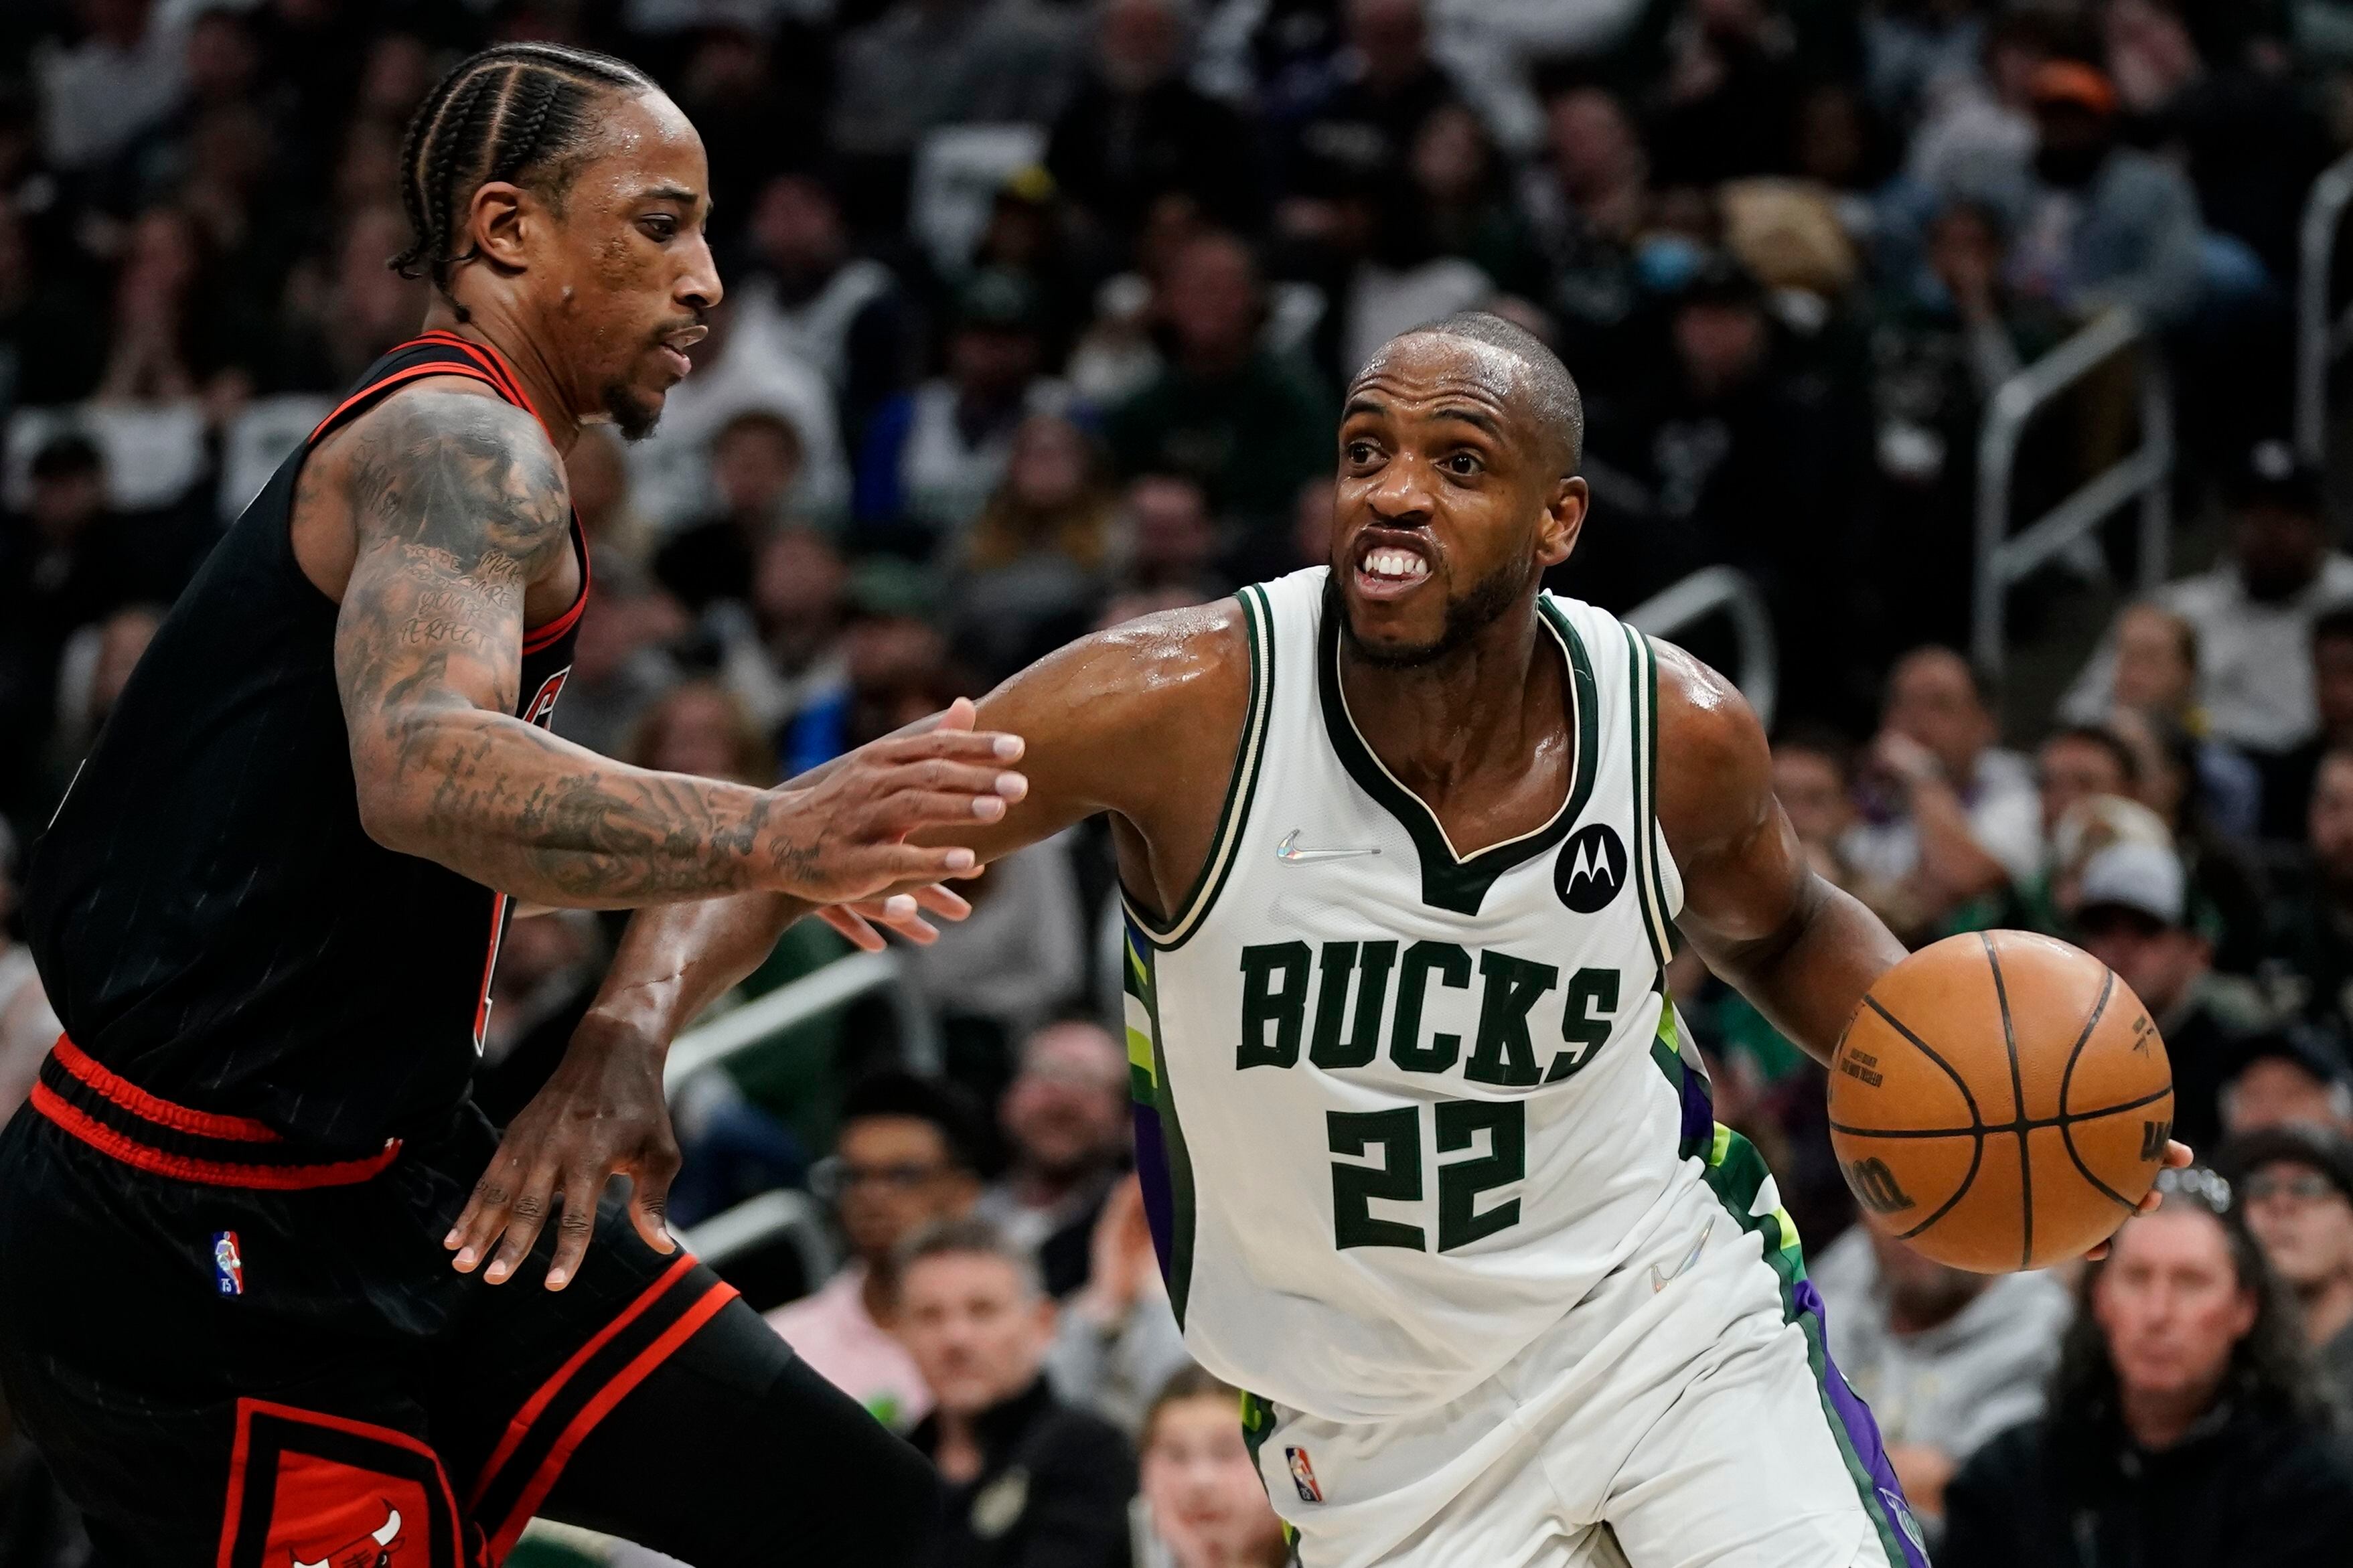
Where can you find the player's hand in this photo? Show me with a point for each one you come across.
(843, 841)
(601, 1112)
(901, 912)
(2177, 1157)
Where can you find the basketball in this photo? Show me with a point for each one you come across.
(2001, 1102)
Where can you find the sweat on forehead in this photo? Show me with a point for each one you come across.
(1512, 364)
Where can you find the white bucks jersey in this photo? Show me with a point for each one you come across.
(1401, 1108)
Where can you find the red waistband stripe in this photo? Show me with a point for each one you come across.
(125, 1123)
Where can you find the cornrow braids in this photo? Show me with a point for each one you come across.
(498, 115)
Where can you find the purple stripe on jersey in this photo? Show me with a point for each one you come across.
(1152, 1176)
(1699, 1111)
(1863, 1432)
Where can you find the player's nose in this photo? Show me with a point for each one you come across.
(698, 287)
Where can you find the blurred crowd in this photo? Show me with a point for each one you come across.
(1037, 316)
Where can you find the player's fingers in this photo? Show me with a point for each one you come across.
(956, 745)
(938, 776)
(849, 923)
(897, 815)
(650, 1181)
(525, 1217)
(901, 914)
(2178, 1155)
(895, 863)
(576, 1226)
(944, 903)
(485, 1213)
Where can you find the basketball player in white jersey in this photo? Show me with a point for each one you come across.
(1430, 1161)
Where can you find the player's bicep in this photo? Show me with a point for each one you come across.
(458, 505)
(1744, 873)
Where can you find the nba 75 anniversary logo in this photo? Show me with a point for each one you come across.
(1590, 869)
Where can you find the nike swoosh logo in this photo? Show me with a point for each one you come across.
(1290, 854)
(1658, 1280)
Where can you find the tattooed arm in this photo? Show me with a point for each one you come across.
(458, 507)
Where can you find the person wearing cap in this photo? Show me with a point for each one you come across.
(2132, 915)
(2103, 225)
(2254, 613)
(2295, 1183)
(2291, 1074)
(932, 456)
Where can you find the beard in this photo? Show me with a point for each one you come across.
(1466, 617)
(632, 416)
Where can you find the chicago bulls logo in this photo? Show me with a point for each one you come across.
(312, 1491)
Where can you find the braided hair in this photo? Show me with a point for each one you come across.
(497, 116)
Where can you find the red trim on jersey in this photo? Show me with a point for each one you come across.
(551, 1469)
(209, 1172)
(546, 636)
(247, 1409)
(411, 373)
(163, 1112)
(488, 355)
(536, 1405)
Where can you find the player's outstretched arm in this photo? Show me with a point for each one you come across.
(1801, 950)
(459, 504)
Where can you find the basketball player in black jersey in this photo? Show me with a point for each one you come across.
(255, 1239)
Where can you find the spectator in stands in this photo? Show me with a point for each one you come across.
(812, 295)
(701, 727)
(1117, 1341)
(902, 1160)
(1203, 1497)
(1946, 1359)
(1066, 1118)
(2133, 916)
(756, 460)
(2291, 1074)
(1730, 94)
(932, 456)
(2295, 1185)
(1249, 425)
(347, 308)
(2288, 782)
(124, 74)
(1387, 88)
(2253, 615)
(2103, 224)
(1031, 569)
(1813, 777)
(2182, 1425)
(2228, 891)
(1949, 817)
(787, 660)
(1170, 539)
(622, 663)
(1137, 130)
(598, 477)
(2156, 680)
(1588, 205)
(548, 969)
(923, 64)
(1031, 1482)
(2310, 951)
(2080, 763)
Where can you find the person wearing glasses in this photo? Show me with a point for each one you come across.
(904, 1161)
(2184, 1423)
(2296, 1183)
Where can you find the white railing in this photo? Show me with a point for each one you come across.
(788, 1005)
(2319, 337)
(2003, 558)
(1707, 592)
(756, 1222)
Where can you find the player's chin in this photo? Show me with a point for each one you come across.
(635, 408)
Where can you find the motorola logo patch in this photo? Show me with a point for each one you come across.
(1590, 869)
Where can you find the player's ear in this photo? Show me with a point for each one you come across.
(500, 223)
(1563, 520)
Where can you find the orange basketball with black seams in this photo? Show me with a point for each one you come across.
(2001, 1102)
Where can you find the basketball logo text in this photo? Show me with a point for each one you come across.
(1303, 1476)
(1876, 1186)
(2154, 1136)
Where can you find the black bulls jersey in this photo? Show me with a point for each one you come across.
(210, 920)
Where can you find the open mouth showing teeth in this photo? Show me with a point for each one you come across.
(1390, 565)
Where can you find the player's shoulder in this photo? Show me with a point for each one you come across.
(453, 407)
(1714, 766)
(1166, 658)
(448, 450)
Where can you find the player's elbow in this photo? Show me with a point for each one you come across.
(393, 807)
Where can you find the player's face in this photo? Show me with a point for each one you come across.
(635, 270)
(1450, 502)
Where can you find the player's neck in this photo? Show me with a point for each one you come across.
(495, 324)
(1480, 707)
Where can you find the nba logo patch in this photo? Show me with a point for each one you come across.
(229, 1266)
(1303, 1476)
